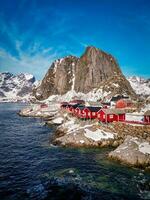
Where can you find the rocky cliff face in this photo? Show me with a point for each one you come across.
(95, 69)
(59, 79)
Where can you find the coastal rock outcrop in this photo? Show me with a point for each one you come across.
(36, 110)
(95, 69)
(73, 132)
(134, 141)
(133, 151)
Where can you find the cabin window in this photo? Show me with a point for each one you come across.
(103, 116)
(93, 113)
(99, 115)
(111, 116)
(89, 114)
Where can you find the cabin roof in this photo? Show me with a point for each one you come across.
(75, 106)
(147, 113)
(69, 105)
(93, 109)
(113, 111)
(106, 103)
(64, 105)
(116, 98)
(125, 100)
(81, 107)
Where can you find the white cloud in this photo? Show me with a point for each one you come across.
(31, 56)
(35, 58)
(36, 64)
(75, 39)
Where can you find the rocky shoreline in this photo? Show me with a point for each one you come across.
(132, 142)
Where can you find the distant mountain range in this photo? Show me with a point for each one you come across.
(95, 75)
(15, 88)
(140, 85)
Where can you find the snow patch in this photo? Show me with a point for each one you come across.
(116, 85)
(82, 141)
(28, 76)
(98, 135)
(73, 74)
(140, 85)
(134, 117)
(144, 148)
(58, 120)
(94, 95)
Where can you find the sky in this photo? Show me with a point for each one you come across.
(33, 33)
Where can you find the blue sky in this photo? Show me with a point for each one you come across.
(33, 33)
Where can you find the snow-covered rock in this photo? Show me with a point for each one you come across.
(15, 88)
(58, 120)
(94, 95)
(73, 132)
(35, 110)
(134, 151)
(140, 85)
(98, 135)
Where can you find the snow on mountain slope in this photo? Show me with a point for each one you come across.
(15, 88)
(140, 85)
(93, 95)
(94, 69)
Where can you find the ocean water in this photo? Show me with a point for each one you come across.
(32, 168)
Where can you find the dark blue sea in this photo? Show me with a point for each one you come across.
(32, 168)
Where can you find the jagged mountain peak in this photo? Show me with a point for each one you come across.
(93, 70)
(92, 51)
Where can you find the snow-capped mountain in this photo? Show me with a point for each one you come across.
(15, 88)
(95, 73)
(140, 85)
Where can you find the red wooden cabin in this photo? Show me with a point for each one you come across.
(124, 103)
(147, 116)
(110, 115)
(89, 112)
(71, 108)
(79, 111)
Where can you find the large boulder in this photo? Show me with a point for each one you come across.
(133, 151)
